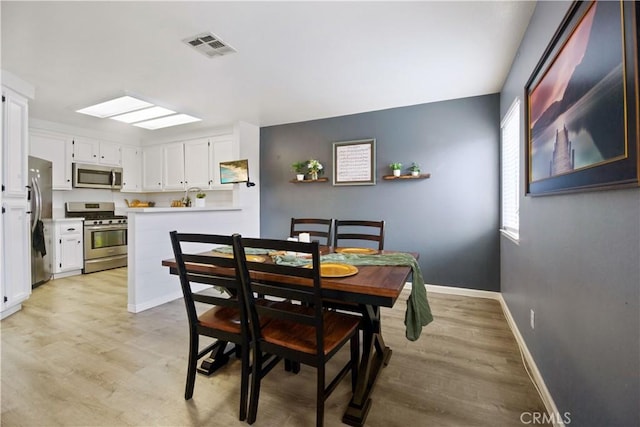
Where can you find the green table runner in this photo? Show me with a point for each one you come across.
(226, 249)
(418, 312)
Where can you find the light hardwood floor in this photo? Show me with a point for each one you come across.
(74, 356)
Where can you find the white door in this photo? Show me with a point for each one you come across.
(152, 168)
(223, 149)
(85, 150)
(71, 253)
(110, 154)
(15, 144)
(173, 177)
(196, 163)
(130, 168)
(58, 149)
(17, 252)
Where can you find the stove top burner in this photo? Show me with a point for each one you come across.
(94, 213)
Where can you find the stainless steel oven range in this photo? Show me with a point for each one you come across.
(105, 234)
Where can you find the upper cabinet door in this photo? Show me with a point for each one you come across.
(15, 143)
(130, 168)
(58, 149)
(85, 150)
(196, 163)
(223, 149)
(173, 177)
(152, 168)
(110, 154)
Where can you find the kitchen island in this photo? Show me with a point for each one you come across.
(148, 234)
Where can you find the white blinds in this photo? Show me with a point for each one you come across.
(510, 135)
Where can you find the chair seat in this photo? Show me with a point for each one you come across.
(226, 318)
(223, 318)
(302, 338)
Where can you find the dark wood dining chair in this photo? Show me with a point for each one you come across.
(299, 328)
(350, 230)
(316, 227)
(224, 317)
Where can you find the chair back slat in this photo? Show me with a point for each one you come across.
(350, 230)
(316, 227)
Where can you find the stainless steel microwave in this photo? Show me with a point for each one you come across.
(97, 176)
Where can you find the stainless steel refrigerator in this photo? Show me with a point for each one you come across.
(40, 197)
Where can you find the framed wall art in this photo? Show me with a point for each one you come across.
(354, 162)
(582, 103)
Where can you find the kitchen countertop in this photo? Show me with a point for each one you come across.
(179, 210)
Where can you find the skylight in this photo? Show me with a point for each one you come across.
(128, 109)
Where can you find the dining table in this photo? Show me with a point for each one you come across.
(372, 287)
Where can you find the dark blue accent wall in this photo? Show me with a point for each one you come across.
(578, 266)
(451, 219)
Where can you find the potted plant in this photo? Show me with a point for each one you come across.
(415, 169)
(200, 200)
(298, 168)
(396, 168)
(315, 167)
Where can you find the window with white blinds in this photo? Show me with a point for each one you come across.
(510, 135)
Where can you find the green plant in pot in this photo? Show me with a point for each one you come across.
(415, 169)
(299, 169)
(200, 199)
(396, 168)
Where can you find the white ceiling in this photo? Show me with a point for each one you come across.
(295, 61)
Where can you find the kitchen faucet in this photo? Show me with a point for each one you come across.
(186, 201)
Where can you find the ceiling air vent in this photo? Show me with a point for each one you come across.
(209, 45)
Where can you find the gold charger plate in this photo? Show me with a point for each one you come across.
(362, 251)
(250, 258)
(334, 269)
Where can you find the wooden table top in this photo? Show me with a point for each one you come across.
(373, 284)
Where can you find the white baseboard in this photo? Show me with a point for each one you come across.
(476, 293)
(546, 397)
(547, 400)
(8, 312)
(137, 308)
(67, 274)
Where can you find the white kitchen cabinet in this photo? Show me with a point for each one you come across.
(177, 166)
(173, 166)
(69, 249)
(15, 262)
(131, 176)
(152, 168)
(58, 149)
(197, 172)
(15, 143)
(110, 154)
(223, 148)
(85, 150)
(88, 150)
(16, 249)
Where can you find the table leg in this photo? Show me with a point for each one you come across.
(218, 358)
(375, 355)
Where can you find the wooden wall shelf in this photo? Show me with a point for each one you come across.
(307, 181)
(421, 176)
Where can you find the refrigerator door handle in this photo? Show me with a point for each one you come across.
(38, 203)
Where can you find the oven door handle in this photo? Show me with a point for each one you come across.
(105, 227)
